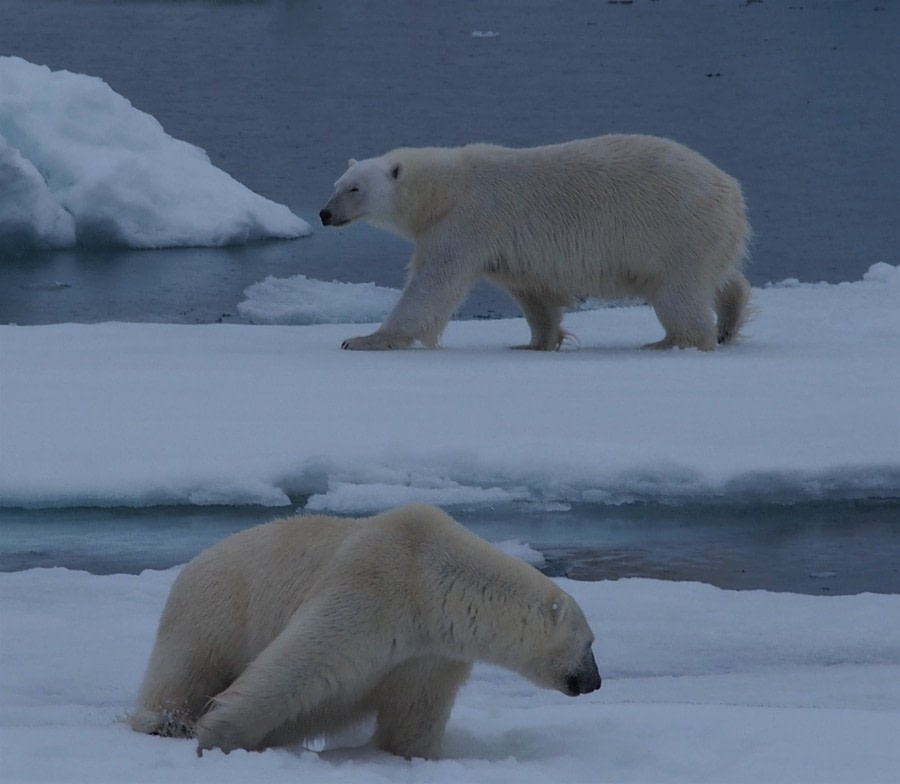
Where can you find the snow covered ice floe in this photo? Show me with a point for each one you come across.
(80, 165)
(806, 408)
(699, 685)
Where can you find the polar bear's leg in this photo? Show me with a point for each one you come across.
(176, 688)
(544, 317)
(414, 703)
(731, 306)
(685, 311)
(426, 305)
(316, 663)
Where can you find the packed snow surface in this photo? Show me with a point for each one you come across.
(114, 414)
(700, 685)
(80, 165)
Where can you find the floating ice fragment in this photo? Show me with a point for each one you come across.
(302, 300)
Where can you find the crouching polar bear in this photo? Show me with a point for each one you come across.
(614, 216)
(297, 628)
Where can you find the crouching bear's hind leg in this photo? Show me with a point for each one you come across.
(176, 690)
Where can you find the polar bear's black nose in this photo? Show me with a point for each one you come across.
(585, 679)
(576, 685)
(325, 217)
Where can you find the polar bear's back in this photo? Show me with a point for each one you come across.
(259, 577)
(615, 215)
(599, 171)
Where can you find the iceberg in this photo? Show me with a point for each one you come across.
(79, 165)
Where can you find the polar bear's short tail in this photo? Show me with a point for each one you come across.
(732, 300)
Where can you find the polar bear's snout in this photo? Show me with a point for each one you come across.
(585, 679)
(330, 217)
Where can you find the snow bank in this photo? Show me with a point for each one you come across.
(134, 414)
(79, 164)
(700, 685)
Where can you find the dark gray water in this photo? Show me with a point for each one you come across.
(799, 101)
(815, 548)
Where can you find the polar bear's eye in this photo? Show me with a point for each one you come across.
(353, 188)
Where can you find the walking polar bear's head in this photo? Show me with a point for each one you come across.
(405, 191)
(364, 192)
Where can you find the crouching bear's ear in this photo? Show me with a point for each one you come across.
(395, 171)
(558, 609)
(352, 162)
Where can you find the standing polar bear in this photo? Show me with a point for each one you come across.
(300, 627)
(614, 216)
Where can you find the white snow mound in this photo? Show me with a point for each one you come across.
(80, 165)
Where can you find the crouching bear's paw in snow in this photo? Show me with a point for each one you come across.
(614, 216)
(301, 627)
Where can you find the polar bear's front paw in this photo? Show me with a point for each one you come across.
(377, 341)
(216, 733)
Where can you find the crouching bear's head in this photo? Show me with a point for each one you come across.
(364, 192)
(563, 659)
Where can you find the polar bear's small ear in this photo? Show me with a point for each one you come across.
(558, 609)
(352, 162)
(395, 171)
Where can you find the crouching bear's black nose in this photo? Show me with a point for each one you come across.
(325, 217)
(576, 685)
(584, 680)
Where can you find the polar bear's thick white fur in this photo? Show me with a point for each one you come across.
(613, 216)
(300, 627)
